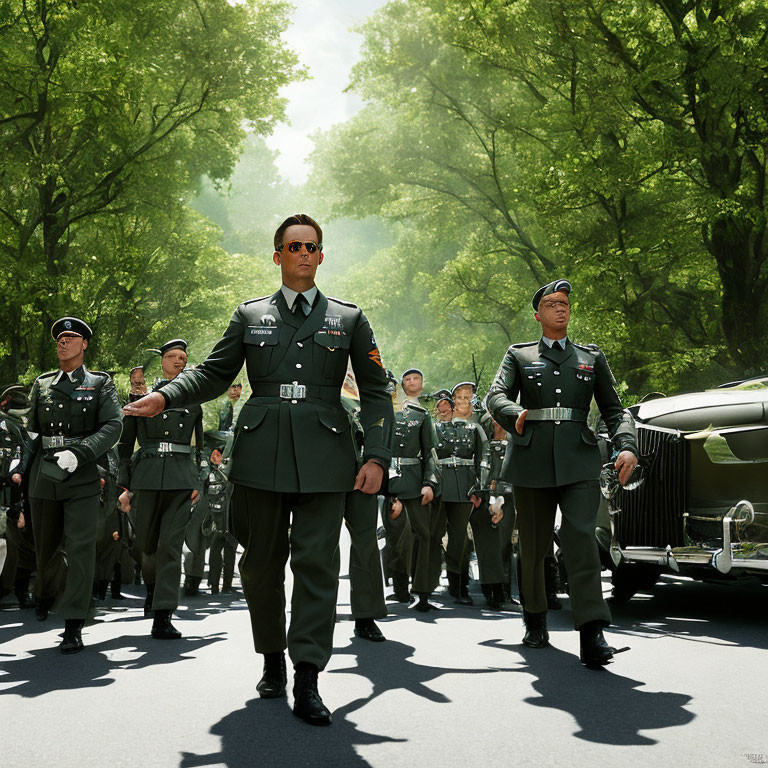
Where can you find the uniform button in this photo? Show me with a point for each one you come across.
(181, 426)
(539, 383)
(558, 404)
(165, 415)
(558, 391)
(557, 422)
(61, 405)
(298, 365)
(299, 344)
(84, 410)
(245, 426)
(557, 373)
(166, 433)
(294, 401)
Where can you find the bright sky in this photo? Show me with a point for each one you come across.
(321, 34)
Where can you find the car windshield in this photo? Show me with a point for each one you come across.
(761, 383)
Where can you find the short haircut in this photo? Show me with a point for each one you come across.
(236, 384)
(297, 218)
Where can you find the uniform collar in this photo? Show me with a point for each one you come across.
(290, 296)
(549, 342)
(74, 376)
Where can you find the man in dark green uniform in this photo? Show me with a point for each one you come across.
(293, 458)
(414, 480)
(554, 461)
(227, 408)
(15, 572)
(75, 418)
(461, 451)
(218, 491)
(163, 481)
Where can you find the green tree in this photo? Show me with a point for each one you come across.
(106, 111)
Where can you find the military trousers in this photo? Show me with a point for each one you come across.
(425, 522)
(487, 540)
(361, 512)
(20, 554)
(65, 543)
(260, 522)
(457, 514)
(221, 557)
(399, 538)
(197, 542)
(161, 518)
(536, 508)
(506, 528)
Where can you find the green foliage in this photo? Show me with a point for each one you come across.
(616, 143)
(109, 118)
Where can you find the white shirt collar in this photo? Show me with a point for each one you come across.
(70, 374)
(550, 342)
(290, 296)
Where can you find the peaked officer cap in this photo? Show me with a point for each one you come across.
(173, 344)
(71, 325)
(556, 286)
(464, 384)
(15, 394)
(410, 371)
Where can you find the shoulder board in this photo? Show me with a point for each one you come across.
(253, 301)
(588, 347)
(47, 375)
(343, 303)
(100, 373)
(414, 407)
(524, 344)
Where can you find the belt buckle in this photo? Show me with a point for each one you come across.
(56, 441)
(165, 447)
(293, 391)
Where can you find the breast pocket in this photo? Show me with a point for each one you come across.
(331, 353)
(83, 407)
(260, 341)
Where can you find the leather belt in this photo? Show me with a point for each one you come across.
(163, 448)
(296, 391)
(557, 414)
(58, 441)
(455, 461)
(403, 461)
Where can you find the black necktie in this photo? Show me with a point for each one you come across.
(556, 346)
(299, 303)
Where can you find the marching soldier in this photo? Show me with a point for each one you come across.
(218, 490)
(161, 485)
(554, 461)
(296, 344)
(414, 481)
(227, 409)
(460, 450)
(76, 416)
(14, 456)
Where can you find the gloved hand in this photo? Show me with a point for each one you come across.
(67, 460)
(496, 508)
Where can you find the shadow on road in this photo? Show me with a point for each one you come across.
(607, 707)
(44, 670)
(266, 731)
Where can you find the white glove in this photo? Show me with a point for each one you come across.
(495, 504)
(67, 460)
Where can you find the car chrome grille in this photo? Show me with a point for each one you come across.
(652, 515)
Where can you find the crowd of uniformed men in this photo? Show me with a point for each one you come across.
(99, 493)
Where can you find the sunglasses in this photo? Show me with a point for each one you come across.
(294, 246)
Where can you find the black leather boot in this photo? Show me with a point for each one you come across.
(595, 651)
(21, 588)
(214, 585)
(464, 598)
(498, 600)
(536, 635)
(148, 599)
(366, 629)
(42, 606)
(72, 642)
(400, 584)
(275, 678)
(100, 590)
(307, 703)
(191, 586)
(162, 629)
(423, 605)
(454, 581)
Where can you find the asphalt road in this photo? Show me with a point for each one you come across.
(456, 688)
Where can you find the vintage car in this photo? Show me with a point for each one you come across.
(700, 504)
